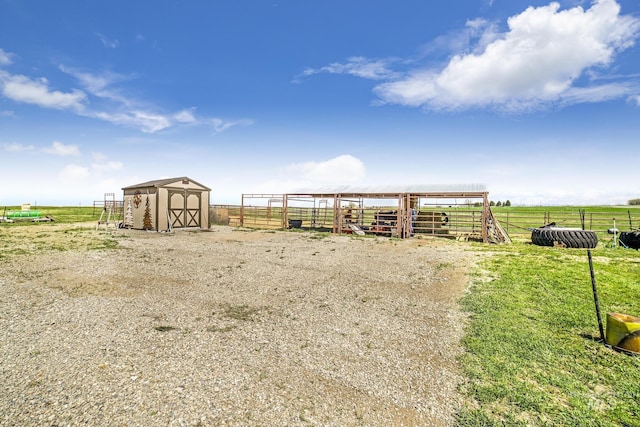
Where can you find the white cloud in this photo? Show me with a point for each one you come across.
(151, 122)
(145, 121)
(375, 69)
(343, 169)
(536, 62)
(106, 166)
(5, 57)
(99, 157)
(59, 149)
(74, 173)
(121, 110)
(23, 89)
(185, 116)
(108, 102)
(99, 167)
(601, 93)
(100, 84)
(124, 111)
(109, 44)
(102, 164)
(16, 147)
(220, 125)
(483, 32)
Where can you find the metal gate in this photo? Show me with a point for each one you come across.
(184, 208)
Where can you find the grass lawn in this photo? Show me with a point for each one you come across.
(45, 236)
(532, 352)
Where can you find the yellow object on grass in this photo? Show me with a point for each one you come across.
(623, 331)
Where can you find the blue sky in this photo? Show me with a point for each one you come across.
(539, 101)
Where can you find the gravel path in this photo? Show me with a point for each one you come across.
(227, 327)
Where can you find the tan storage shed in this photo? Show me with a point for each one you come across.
(167, 203)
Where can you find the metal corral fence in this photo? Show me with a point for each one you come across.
(456, 221)
(518, 221)
(116, 205)
(252, 216)
(450, 221)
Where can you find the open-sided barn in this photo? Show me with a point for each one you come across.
(167, 203)
(397, 211)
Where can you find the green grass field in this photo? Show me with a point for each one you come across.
(517, 220)
(64, 214)
(533, 356)
(45, 236)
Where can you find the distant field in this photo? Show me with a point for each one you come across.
(516, 220)
(616, 210)
(60, 214)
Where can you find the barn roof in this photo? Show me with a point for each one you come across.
(394, 189)
(163, 182)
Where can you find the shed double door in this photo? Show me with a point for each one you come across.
(184, 208)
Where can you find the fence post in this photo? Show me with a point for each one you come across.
(507, 222)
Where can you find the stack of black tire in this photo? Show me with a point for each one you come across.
(630, 239)
(550, 235)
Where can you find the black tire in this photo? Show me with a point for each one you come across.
(630, 239)
(567, 238)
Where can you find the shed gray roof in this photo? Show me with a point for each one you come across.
(395, 189)
(162, 182)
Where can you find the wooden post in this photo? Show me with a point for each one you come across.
(337, 210)
(242, 212)
(406, 216)
(485, 219)
(285, 211)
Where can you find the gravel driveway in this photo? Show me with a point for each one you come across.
(227, 327)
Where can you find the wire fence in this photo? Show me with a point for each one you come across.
(519, 222)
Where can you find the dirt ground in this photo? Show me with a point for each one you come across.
(228, 327)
